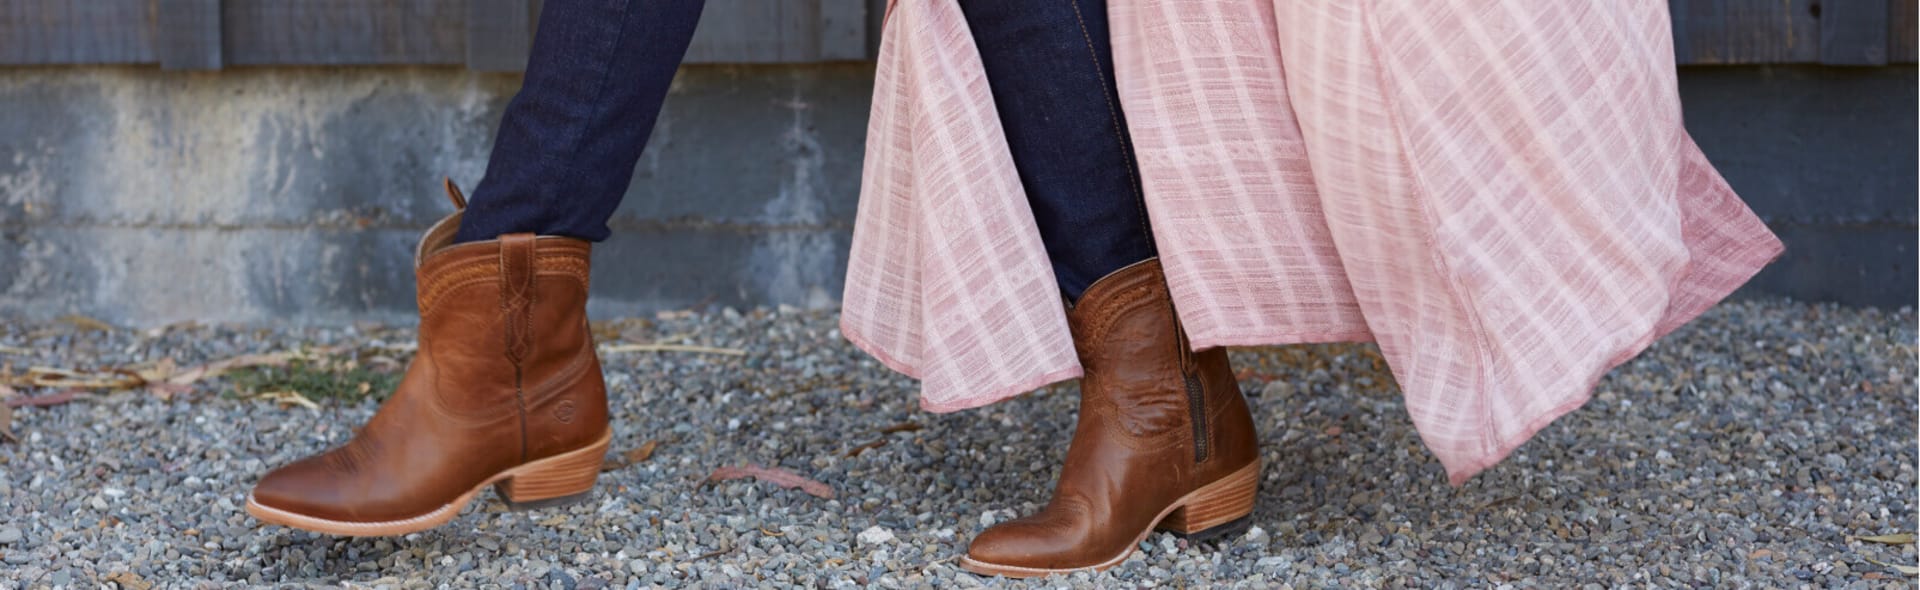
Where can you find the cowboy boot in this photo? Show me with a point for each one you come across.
(1163, 440)
(504, 390)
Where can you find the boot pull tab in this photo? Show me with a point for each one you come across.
(516, 293)
(453, 194)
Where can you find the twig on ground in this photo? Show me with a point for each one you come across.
(51, 399)
(901, 427)
(775, 476)
(289, 397)
(619, 348)
(856, 451)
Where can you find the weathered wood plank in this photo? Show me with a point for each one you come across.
(499, 35)
(1903, 34)
(843, 30)
(346, 31)
(876, 21)
(1854, 32)
(774, 31)
(757, 31)
(187, 35)
(496, 34)
(69, 32)
(1745, 31)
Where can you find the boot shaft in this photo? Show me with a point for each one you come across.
(509, 313)
(1135, 358)
(1142, 373)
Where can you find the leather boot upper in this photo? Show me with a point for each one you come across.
(505, 373)
(1137, 446)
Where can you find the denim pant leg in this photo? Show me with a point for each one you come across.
(570, 138)
(1050, 68)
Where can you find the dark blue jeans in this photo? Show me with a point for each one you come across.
(570, 138)
(1051, 72)
(600, 70)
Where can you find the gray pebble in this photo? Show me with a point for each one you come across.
(1741, 451)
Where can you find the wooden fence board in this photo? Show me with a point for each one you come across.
(68, 32)
(187, 35)
(756, 31)
(499, 35)
(1854, 32)
(843, 30)
(1903, 34)
(346, 31)
(777, 31)
(495, 35)
(1745, 31)
(876, 24)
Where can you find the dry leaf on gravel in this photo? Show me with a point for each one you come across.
(218, 368)
(165, 391)
(155, 374)
(1905, 569)
(856, 451)
(6, 414)
(619, 348)
(384, 363)
(76, 379)
(901, 427)
(642, 453)
(86, 323)
(128, 581)
(1894, 539)
(164, 378)
(51, 399)
(289, 398)
(775, 476)
(157, 371)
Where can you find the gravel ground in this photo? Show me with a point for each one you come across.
(1747, 450)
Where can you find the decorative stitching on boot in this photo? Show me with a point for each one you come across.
(442, 284)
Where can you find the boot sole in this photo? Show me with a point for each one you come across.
(558, 480)
(1215, 510)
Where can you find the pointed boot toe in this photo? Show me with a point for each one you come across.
(1034, 545)
(301, 487)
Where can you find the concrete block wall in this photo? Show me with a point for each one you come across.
(144, 197)
(251, 194)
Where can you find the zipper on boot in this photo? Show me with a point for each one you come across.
(1196, 391)
(1197, 407)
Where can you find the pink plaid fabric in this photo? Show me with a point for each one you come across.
(1498, 192)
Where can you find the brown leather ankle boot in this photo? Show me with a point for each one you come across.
(504, 390)
(1164, 441)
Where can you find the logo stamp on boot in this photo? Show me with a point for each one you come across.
(564, 412)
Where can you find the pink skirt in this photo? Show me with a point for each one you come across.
(1499, 193)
